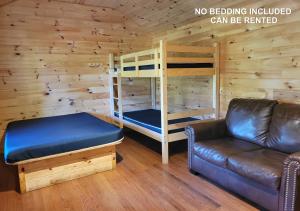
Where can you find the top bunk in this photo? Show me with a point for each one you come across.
(174, 60)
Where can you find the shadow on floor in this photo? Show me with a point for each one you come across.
(8, 176)
(174, 147)
(119, 157)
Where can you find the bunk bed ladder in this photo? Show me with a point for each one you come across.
(115, 84)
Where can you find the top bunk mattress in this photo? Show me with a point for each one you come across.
(151, 119)
(34, 138)
(171, 65)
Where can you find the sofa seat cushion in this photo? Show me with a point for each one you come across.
(264, 166)
(217, 151)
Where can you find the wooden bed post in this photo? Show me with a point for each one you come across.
(216, 82)
(164, 103)
(153, 92)
(22, 181)
(120, 103)
(111, 83)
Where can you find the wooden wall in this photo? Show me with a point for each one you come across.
(187, 93)
(257, 60)
(54, 57)
(136, 94)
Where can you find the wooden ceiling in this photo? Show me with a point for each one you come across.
(152, 16)
(5, 2)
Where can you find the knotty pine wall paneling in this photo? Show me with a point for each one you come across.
(136, 94)
(187, 93)
(257, 60)
(54, 58)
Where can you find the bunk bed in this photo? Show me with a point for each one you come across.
(163, 62)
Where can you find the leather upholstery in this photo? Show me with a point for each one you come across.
(285, 128)
(217, 151)
(260, 194)
(263, 166)
(268, 175)
(249, 119)
(208, 129)
(290, 183)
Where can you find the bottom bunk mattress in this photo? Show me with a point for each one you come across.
(35, 138)
(151, 119)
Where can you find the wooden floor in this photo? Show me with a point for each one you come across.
(140, 182)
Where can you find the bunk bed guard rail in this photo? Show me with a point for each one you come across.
(182, 60)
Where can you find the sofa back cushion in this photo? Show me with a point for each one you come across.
(284, 132)
(249, 119)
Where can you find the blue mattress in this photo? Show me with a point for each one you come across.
(27, 139)
(151, 119)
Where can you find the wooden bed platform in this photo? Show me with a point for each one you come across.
(52, 150)
(42, 172)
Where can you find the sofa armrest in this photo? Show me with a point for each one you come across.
(206, 130)
(290, 183)
(203, 131)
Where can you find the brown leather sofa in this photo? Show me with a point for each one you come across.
(254, 151)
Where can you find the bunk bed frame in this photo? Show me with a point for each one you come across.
(154, 63)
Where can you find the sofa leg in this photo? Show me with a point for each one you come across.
(193, 172)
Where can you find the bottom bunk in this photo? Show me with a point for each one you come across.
(151, 119)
